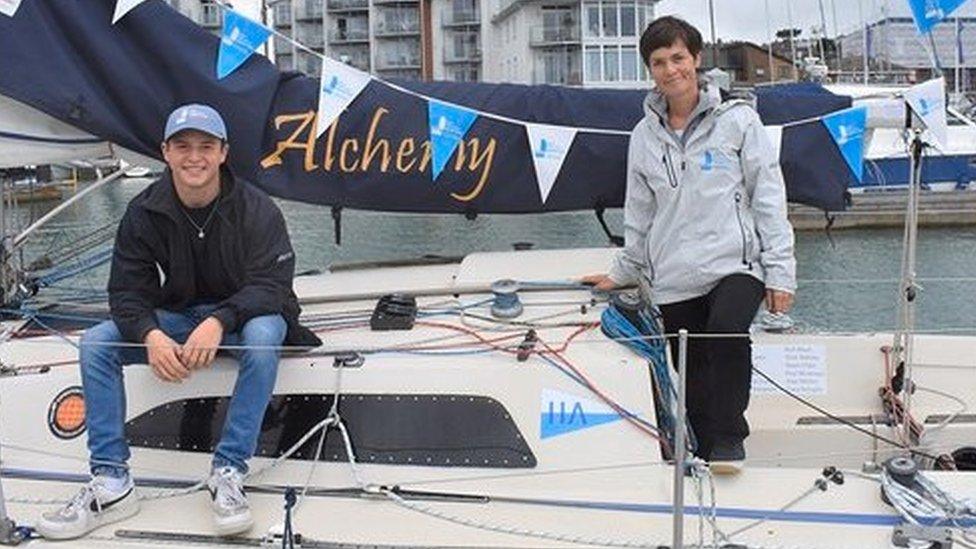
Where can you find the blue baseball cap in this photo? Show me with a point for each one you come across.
(198, 117)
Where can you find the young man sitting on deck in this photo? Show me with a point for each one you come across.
(227, 263)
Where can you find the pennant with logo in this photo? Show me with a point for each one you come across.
(123, 7)
(927, 100)
(846, 127)
(928, 13)
(339, 86)
(448, 124)
(239, 38)
(563, 413)
(9, 7)
(549, 145)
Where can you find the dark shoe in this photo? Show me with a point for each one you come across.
(727, 457)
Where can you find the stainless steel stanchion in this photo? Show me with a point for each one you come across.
(680, 451)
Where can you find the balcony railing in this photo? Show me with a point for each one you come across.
(454, 18)
(467, 55)
(347, 5)
(312, 39)
(397, 62)
(338, 36)
(282, 45)
(565, 77)
(389, 2)
(359, 60)
(405, 27)
(553, 36)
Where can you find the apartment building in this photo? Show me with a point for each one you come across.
(895, 52)
(590, 43)
(567, 42)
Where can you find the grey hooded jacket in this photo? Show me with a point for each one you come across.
(704, 205)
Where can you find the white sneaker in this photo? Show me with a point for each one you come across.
(94, 506)
(232, 514)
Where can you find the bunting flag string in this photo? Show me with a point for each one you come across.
(123, 7)
(239, 38)
(341, 84)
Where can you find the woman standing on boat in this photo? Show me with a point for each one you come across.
(705, 228)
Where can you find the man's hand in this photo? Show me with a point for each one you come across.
(201, 347)
(778, 301)
(164, 357)
(600, 282)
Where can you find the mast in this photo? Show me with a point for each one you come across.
(865, 43)
(789, 15)
(711, 18)
(769, 40)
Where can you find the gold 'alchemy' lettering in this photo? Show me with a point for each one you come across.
(376, 153)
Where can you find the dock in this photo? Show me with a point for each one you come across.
(886, 209)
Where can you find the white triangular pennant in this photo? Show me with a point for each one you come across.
(9, 7)
(123, 7)
(927, 100)
(548, 146)
(339, 86)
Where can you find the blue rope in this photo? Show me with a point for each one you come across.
(646, 339)
(85, 264)
(32, 314)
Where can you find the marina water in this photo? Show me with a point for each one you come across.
(847, 280)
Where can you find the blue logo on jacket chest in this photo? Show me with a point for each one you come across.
(713, 159)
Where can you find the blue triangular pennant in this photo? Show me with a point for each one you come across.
(846, 127)
(238, 40)
(928, 13)
(448, 124)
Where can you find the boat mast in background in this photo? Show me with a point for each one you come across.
(864, 39)
(769, 41)
(789, 16)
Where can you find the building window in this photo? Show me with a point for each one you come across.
(592, 27)
(593, 71)
(282, 13)
(609, 23)
(628, 63)
(211, 15)
(628, 24)
(611, 63)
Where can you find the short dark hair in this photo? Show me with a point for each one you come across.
(663, 32)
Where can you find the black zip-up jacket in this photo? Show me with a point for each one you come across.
(249, 261)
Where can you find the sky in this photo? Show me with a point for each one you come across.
(746, 19)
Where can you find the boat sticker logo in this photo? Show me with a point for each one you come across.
(66, 416)
(564, 413)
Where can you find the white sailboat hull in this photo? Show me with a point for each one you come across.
(596, 483)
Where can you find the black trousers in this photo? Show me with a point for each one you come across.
(719, 369)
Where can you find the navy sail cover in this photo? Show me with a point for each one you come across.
(119, 82)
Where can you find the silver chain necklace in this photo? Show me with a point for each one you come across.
(201, 229)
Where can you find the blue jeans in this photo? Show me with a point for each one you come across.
(102, 359)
